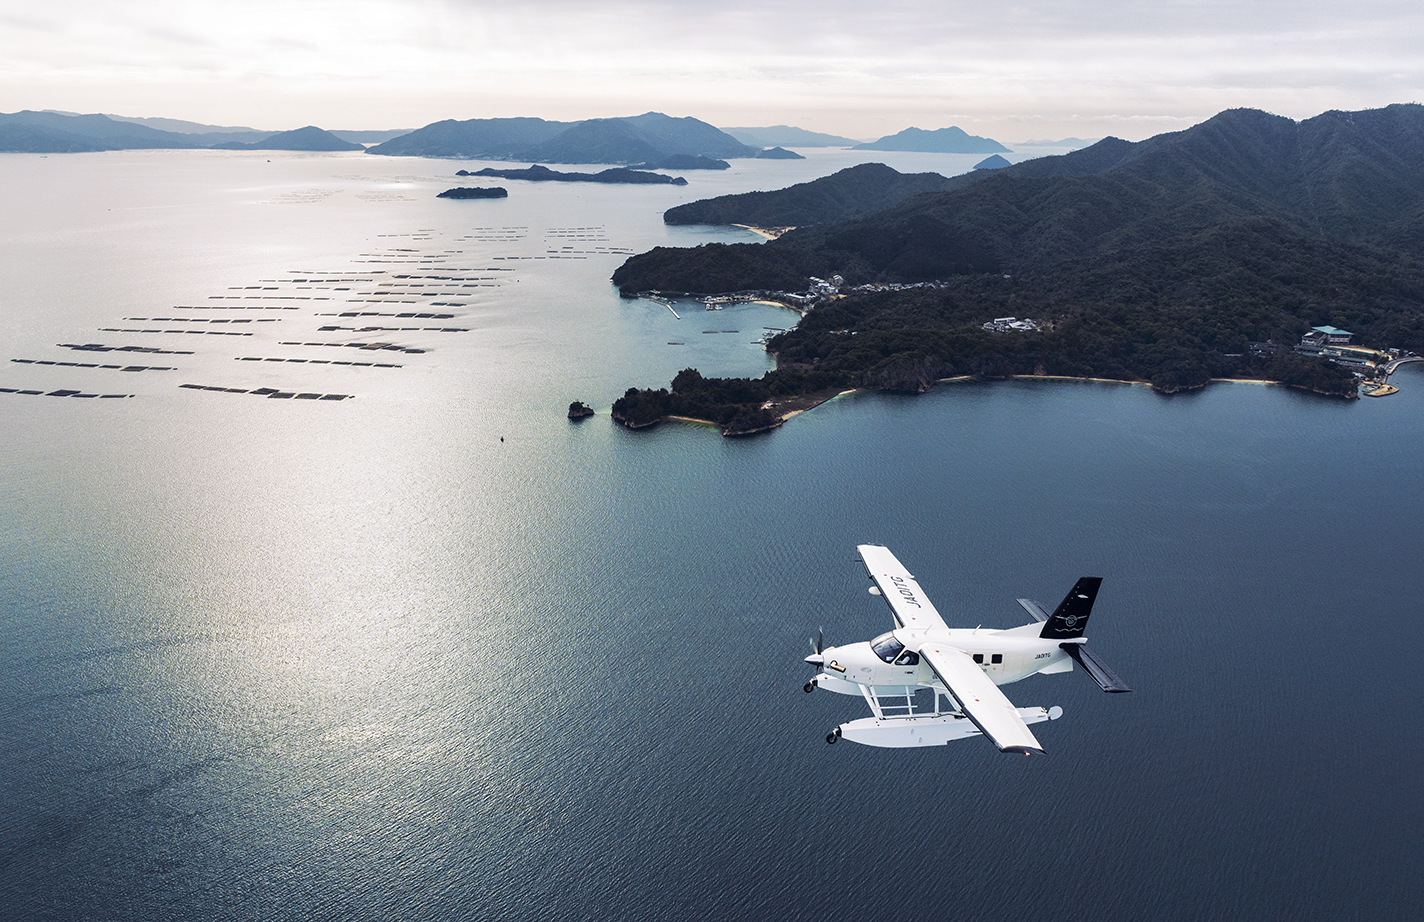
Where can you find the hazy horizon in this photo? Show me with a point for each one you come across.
(1035, 70)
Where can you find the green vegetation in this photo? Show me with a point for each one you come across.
(1156, 261)
(857, 190)
(710, 268)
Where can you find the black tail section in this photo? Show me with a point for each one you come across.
(1071, 615)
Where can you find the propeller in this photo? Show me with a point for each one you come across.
(816, 659)
(818, 645)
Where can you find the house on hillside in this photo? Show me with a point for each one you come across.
(1320, 338)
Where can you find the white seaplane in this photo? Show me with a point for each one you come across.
(965, 665)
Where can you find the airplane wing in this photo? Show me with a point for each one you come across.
(980, 699)
(907, 601)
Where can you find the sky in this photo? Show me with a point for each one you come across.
(1009, 70)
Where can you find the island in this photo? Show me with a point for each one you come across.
(310, 138)
(1173, 262)
(949, 140)
(619, 175)
(578, 410)
(648, 138)
(779, 153)
(475, 192)
(684, 162)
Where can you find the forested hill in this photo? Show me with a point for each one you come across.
(1329, 210)
(854, 191)
(1352, 178)
(1157, 260)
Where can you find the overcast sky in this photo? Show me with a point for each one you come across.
(1008, 70)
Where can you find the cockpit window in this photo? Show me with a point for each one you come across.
(908, 658)
(887, 647)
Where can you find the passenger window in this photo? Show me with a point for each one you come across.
(997, 658)
(978, 657)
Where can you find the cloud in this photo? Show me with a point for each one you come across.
(847, 67)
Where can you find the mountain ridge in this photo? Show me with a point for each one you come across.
(788, 136)
(1159, 260)
(856, 190)
(51, 132)
(951, 140)
(647, 138)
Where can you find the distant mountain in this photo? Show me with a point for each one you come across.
(473, 139)
(941, 141)
(787, 136)
(180, 126)
(218, 138)
(56, 132)
(648, 138)
(370, 137)
(1066, 142)
(52, 133)
(211, 135)
(857, 190)
(309, 138)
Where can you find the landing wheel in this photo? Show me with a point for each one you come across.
(809, 687)
(833, 736)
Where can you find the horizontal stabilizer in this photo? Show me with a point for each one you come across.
(1037, 610)
(1094, 666)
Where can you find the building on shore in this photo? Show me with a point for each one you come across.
(1334, 344)
(1010, 324)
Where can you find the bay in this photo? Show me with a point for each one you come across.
(432, 651)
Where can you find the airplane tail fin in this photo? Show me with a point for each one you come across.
(1071, 615)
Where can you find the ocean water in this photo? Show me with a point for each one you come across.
(430, 651)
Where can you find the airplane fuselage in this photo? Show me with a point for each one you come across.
(1005, 656)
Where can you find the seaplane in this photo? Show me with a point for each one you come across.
(962, 667)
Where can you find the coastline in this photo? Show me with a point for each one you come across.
(770, 233)
(789, 407)
(1072, 378)
(784, 409)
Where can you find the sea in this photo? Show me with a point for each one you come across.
(314, 604)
